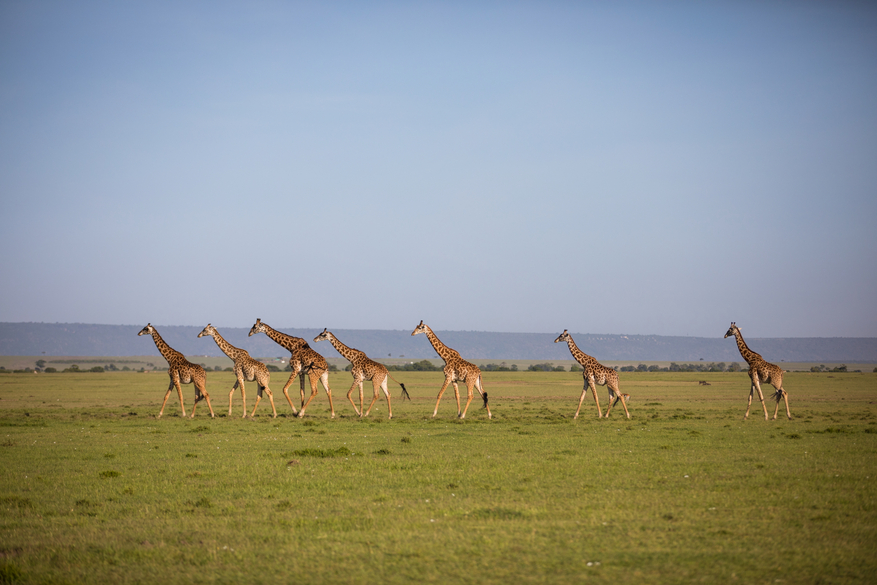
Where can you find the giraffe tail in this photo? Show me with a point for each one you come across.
(484, 396)
(404, 391)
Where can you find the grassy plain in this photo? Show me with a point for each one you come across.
(95, 489)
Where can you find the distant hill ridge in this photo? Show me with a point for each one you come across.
(80, 339)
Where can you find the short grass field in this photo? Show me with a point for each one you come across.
(96, 489)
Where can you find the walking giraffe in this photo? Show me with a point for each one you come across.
(302, 359)
(362, 368)
(181, 371)
(456, 368)
(595, 373)
(760, 371)
(245, 368)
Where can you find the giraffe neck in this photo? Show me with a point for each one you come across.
(348, 353)
(288, 341)
(167, 351)
(748, 355)
(227, 348)
(443, 350)
(578, 354)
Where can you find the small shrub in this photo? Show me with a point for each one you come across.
(323, 453)
(109, 473)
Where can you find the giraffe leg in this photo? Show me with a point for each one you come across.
(301, 388)
(324, 379)
(271, 400)
(593, 387)
(469, 394)
(389, 400)
(623, 398)
(243, 395)
(349, 392)
(614, 391)
(361, 401)
(439, 399)
(457, 396)
(782, 395)
(180, 394)
(582, 399)
(200, 395)
(258, 400)
(313, 380)
(376, 387)
(286, 391)
(203, 390)
(748, 406)
(761, 397)
(167, 394)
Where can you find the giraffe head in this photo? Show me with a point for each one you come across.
(733, 330)
(259, 327)
(564, 337)
(209, 330)
(420, 328)
(326, 334)
(148, 330)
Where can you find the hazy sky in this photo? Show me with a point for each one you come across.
(624, 167)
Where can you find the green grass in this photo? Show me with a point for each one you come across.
(95, 489)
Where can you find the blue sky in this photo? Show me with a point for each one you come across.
(625, 167)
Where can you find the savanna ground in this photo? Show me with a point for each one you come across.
(95, 489)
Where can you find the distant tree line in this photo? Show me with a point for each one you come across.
(674, 367)
(840, 368)
(421, 366)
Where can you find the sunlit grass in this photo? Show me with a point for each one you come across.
(96, 489)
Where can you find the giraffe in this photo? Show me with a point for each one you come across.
(595, 373)
(245, 368)
(760, 371)
(362, 369)
(456, 368)
(302, 360)
(180, 371)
